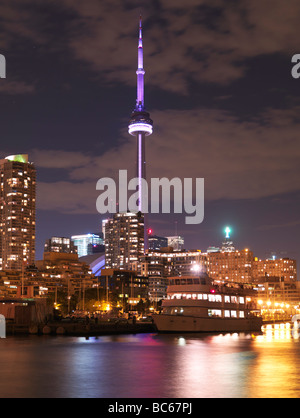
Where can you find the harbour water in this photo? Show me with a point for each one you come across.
(152, 365)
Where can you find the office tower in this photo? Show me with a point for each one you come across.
(60, 245)
(140, 126)
(156, 243)
(177, 242)
(284, 269)
(232, 266)
(227, 244)
(88, 244)
(17, 212)
(124, 241)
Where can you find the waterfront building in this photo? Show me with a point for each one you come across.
(88, 244)
(275, 293)
(140, 126)
(227, 244)
(60, 245)
(123, 285)
(9, 282)
(57, 271)
(157, 288)
(17, 212)
(233, 266)
(124, 241)
(65, 271)
(167, 262)
(284, 268)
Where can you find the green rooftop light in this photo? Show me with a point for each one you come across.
(21, 158)
(227, 232)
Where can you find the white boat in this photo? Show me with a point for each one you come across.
(199, 304)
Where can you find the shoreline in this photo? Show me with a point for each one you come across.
(79, 329)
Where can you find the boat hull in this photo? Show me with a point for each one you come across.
(180, 323)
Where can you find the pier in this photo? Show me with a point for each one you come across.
(80, 329)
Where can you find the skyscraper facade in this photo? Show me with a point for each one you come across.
(17, 212)
(124, 241)
(87, 244)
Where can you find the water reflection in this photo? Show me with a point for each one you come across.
(153, 365)
(277, 371)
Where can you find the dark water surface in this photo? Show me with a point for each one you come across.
(152, 366)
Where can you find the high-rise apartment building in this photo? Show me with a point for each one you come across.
(17, 212)
(124, 241)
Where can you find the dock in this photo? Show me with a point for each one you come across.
(81, 329)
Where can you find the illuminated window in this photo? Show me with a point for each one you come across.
(215, 312)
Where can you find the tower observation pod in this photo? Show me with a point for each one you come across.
(140, 124)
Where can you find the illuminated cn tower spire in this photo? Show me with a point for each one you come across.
(140, 124)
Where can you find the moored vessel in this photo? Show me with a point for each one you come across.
(199, 304)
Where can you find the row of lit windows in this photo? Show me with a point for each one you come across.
(217, 313)
(211, 297)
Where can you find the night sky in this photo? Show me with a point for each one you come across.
(218, 87)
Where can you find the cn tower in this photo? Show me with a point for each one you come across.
(140, 126)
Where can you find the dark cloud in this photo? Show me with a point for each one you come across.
(238, 160)
(219, 90)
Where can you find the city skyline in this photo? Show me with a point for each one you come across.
(219, 88)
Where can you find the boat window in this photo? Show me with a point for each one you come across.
(204, 296)
(234, 299)
(233, 314)
(242, 299)
(215, 298)
(227, 314)
(194, 296)
(227, 299)
(200, 296)
(241, 314)
(215, 312)
(211, 298)
(188, 296)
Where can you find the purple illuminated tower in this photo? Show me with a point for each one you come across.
(140, 124)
